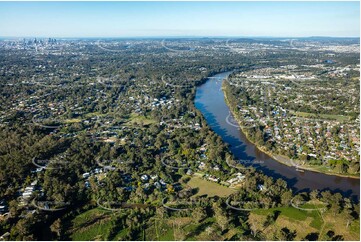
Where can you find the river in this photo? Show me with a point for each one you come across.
(210, 101)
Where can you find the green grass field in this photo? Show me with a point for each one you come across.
(324, 169)
(313, 206)
(340, 118)
(71, 121)
(121, 234)
(91, 225)
(168, 229)
(93, 114)
(87, 216)
(289, 212)
(209, 188)
(159, 229)
(305, 222)
(138, 119)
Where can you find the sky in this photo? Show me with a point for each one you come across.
(146, 19)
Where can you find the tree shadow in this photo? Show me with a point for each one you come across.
(312, 236)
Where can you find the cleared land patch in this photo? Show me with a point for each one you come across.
(209, 188)
(340, 118)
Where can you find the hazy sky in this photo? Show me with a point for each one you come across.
(124, 19)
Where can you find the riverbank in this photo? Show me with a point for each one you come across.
(281, 159)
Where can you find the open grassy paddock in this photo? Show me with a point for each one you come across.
(93, 225)
(209, 188)
(340, 118)
(306, 222)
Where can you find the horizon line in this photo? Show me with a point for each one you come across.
(180, 36)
